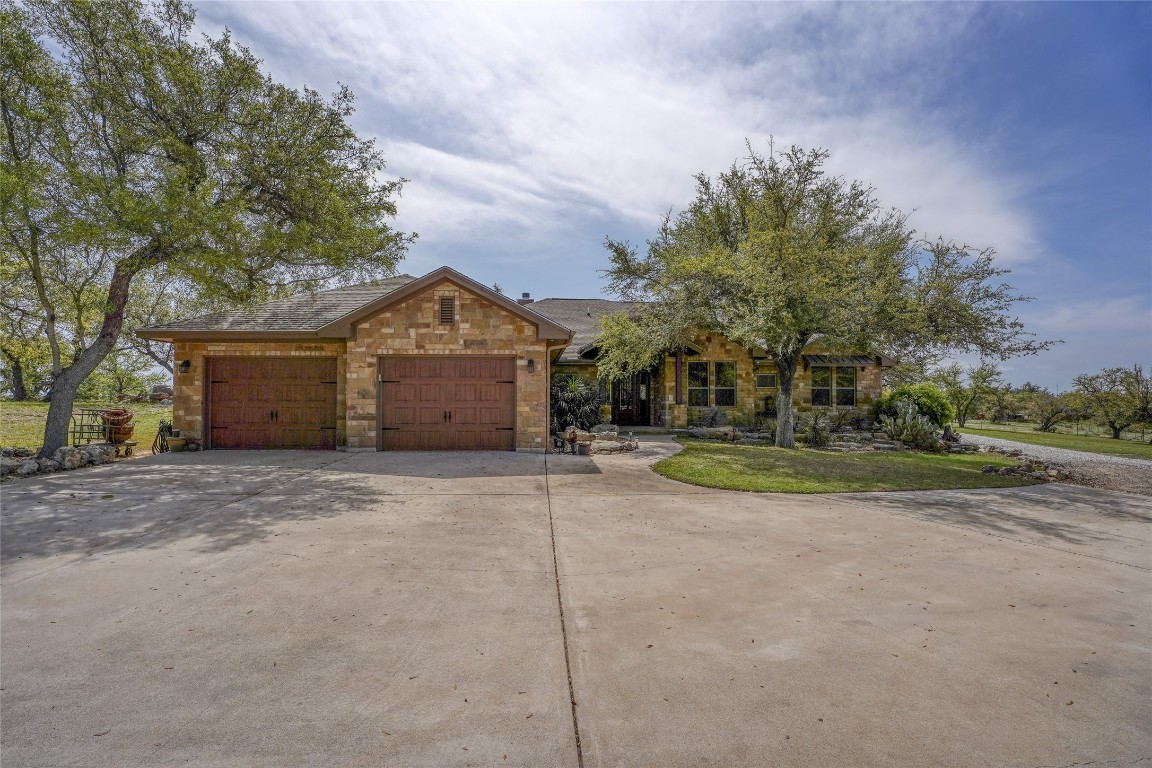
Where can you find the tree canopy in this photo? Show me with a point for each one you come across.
(131, 148)
(1117, 397)
(775, 253)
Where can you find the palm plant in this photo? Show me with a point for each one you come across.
(575, 402)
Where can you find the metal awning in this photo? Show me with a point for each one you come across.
(881, 360)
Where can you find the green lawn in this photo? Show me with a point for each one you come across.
(22, 423)
(1089, 443)
(780, 470)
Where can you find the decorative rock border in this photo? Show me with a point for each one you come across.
(22, 462)
(603, 438)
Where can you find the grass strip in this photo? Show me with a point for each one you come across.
(764, 469)
(1087, 443)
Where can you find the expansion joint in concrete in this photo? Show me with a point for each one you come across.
(563, 623)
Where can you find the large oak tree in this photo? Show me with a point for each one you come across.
(774, 253)
(133, 147)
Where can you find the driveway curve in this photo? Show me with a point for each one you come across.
(281, 608)
(1117, 473)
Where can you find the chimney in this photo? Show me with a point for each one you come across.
(525, 298)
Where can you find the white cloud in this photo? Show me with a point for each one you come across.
(518, 118)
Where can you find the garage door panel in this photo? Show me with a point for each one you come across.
(272, 402)
(465, 392)
(432, 392)
(401, 392)
(493, 417)
(477, 393)
(433, 416)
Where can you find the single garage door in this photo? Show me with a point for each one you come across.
(272, 402)
(447, 403)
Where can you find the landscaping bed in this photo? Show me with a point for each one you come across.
(716, 464)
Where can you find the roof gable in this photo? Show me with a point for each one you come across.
(332, 314)
(546, 327)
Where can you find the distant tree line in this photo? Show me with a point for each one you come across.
(1116, 399)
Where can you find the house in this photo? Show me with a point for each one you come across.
(712, 372)
(441, 362)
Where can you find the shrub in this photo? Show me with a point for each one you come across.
(911, 427)
(849, 418)
(929, 402)
(707, 417)
(575, 402)
(814, 426)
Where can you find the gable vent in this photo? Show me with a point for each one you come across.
(447, 310)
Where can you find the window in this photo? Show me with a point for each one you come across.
(724, 393)
(834, 385)
(698, 384)
(447, 310)
(722, 385)
(766, 381)
(821, 386)
(846, 387)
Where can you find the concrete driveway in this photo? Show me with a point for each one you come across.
(281, 608)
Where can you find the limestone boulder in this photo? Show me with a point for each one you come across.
(68, 457)
(9, 465)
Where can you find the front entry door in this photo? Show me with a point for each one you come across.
(630, 400)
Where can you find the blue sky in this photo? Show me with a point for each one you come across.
(529, 133)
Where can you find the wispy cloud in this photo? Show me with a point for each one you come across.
(520, 116)
(530, 132)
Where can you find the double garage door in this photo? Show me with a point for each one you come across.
(271, 402)
(447, 403)
(425, 403)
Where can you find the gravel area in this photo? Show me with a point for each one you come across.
(1097, 470)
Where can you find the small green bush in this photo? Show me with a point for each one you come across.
(929, 400)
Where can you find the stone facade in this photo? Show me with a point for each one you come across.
(713, 348)
(407, 328)
(188, 388)
(750, 399)
(372, 324)
(481, 328)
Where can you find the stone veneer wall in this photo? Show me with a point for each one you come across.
(481, 328)
(714, 348)
(749, 398)
(188, 388)
(868, 386)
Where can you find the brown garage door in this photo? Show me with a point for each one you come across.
(272, 402)
(447, 403)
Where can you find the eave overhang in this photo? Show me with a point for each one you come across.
(343, 327)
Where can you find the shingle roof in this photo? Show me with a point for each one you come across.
(582, 316)
(307, 312)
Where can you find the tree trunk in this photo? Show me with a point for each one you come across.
(67, 384)
(785, 418)
(1117, 429)
(18, 387)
